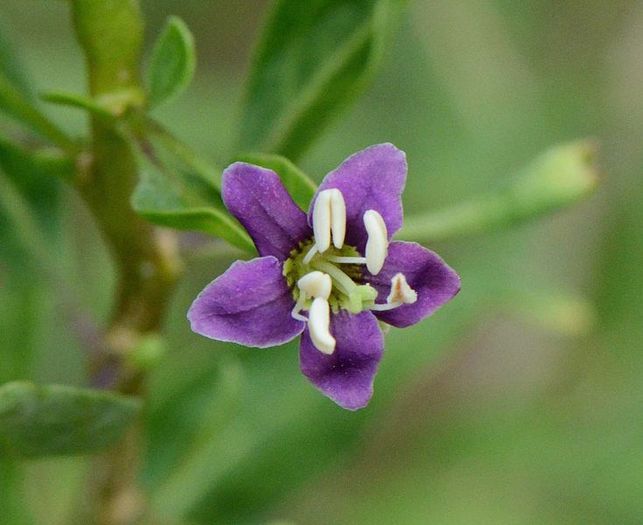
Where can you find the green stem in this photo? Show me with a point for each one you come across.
(557, 179)
(110, 33)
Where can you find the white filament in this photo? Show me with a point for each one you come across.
(311, 253)
(315, 284)
(299, 306)
(377, 244)
(319, 326)
(346, 260)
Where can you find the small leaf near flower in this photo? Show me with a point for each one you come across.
(298, 184)
(172, 64)
(173, 194)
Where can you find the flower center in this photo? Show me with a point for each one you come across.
(346, 292)
(325, 276)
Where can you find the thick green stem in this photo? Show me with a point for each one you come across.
(110, 32)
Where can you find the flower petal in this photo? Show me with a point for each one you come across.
(258, 199)
(347, 375)
(371, 179)
(434, 281)
(249, 304)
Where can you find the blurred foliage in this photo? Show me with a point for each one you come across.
(477, 418)
(312, 61)
(38, 421)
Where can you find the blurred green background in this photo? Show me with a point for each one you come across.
(518, 403)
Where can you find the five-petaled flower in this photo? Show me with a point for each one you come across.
(333, 276)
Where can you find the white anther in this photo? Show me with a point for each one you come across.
(321, 221)
(315, 284)
(319, 324)
(377, 244)
(401, 292)
(329, 215)
(337, 217)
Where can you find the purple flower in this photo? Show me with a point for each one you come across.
(333, 275)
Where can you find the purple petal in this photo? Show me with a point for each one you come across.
(249, 304)
(371, 179)
(434, 281)
(347, 375)
(258, 199)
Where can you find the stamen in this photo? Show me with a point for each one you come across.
(343, 282)
(337, 217)
(319, 324)
(321, 221)
(299, 306)
(311, 253)
(329, 216)
(377, 244)
(316, 284)
(401, 292)
(346, 260)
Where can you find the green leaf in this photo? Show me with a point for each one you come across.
(37, 421)
(16, 97)
(33, 174)
(77, 101)
(14, 103)
(173, 62)
(174, 194)
(10, 65)
(559, 178)
(298, 184)
(33, 168)
(314, 59)
(554, 310)
(29, 192)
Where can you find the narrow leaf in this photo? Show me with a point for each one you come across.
(555, 180)
(16, 104)
(314, 59)
(172, 193)
(34, 167)
(29, 192)
(77, 101)
(173, 62)
(37, 421)
(298, 184)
